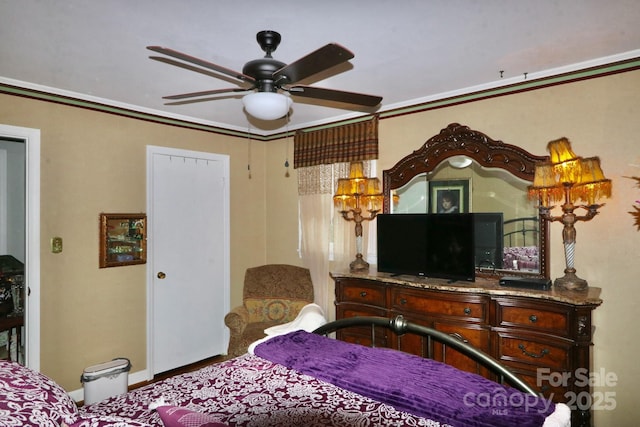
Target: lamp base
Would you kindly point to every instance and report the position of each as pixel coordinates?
(571, 282)
(359, 264)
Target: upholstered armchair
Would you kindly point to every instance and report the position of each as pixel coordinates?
(273, 294)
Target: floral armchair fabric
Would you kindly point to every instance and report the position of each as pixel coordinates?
(273, 294)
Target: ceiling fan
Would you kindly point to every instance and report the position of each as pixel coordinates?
(269, 80)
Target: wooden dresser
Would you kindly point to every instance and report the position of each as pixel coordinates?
(540, 335)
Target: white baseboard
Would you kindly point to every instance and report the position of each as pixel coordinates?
(134, 378)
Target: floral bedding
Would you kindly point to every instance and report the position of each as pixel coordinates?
(252, 391)
(524, 258)
(28, 398)
(297, 379)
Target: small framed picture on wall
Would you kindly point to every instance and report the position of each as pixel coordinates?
(450, 196)
(123, 239)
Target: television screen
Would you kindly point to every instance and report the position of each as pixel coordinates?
(402, 244)
(489, 231)
(450, 247)
(431, 245)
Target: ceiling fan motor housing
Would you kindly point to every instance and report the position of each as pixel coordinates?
(262, 70)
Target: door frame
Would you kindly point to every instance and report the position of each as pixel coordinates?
(151, 151)
(31, 139)
(4, 174)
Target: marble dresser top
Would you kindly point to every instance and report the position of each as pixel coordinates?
(489, 286)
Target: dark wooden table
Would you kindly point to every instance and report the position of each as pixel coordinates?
(9, 323)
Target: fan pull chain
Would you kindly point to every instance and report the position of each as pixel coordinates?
(249, 152)
(286, 157)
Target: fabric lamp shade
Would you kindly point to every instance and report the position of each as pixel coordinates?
(560, 151)
(344, 198)
(564, 160)
(356, 170)
(372, 195)
(545, 187)
(592, 184)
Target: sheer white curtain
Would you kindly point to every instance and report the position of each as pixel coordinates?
(315, 223)
(327, 241)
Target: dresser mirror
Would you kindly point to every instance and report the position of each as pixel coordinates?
(463, 170)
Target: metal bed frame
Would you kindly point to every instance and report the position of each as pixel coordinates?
(400, 326)
(521, 228)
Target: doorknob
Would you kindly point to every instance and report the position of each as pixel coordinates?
(161, 275)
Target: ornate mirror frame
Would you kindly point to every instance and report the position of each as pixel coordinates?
(456, 140)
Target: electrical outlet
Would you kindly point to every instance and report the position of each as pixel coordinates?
(56, 245)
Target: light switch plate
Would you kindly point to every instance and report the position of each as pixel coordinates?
(56, 245)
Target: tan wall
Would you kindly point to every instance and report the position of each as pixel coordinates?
(81, 150)
(94, 162)
(282, 205)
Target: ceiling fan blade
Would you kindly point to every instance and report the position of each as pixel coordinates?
(187, 58)
(204, 93)
(335, 95)
(196, 100)
(193, 68)
(315, 62)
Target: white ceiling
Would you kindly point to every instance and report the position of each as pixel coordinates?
(407, 51)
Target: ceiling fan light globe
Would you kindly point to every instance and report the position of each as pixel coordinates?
(267, 105)
(460, 161)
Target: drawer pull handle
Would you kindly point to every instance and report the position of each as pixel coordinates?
(544, 352)
(363, 294)
(533, 318)
(467, 311)
(403, 301)
(459, 337)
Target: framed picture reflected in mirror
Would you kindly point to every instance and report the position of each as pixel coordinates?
(450, 196)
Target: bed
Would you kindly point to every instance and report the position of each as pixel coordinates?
(299, 378)
(521, 239)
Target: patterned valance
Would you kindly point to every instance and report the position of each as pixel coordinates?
(346, 143)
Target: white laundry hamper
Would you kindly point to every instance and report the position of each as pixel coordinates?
(105, 380)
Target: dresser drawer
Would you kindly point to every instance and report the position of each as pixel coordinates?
(363, 293)
(452, 306)
(366, 339)
(475, 335)
(472, 334)
(542, 317)
(346, 310)
(551, 390)
(534, 351)
(361, 334)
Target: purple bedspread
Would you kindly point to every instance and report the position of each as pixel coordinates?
(409, 383)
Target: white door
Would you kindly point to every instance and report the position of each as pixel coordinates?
(31, 337)
(188, 264)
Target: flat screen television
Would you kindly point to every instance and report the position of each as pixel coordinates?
(402, 244)
(429, 245)
(489, 239)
